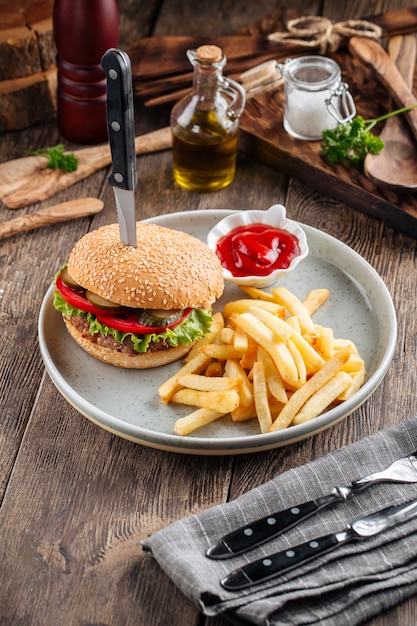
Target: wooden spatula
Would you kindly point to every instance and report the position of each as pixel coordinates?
(27, 180)
(51, 215)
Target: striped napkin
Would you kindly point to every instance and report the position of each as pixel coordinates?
(354, 583)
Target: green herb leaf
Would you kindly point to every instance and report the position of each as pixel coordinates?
(58, 159)
(350, 142)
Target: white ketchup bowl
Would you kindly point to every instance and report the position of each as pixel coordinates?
(275, 216)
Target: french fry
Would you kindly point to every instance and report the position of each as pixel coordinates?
(299, 362)
(226, 335)
(235, 371)
(300, 397)
(186, 425)
(354, 364)
(204, 383)
(358, 379)
(257, 294)
(214, 369)
(222, 401)
(275, 348)
(272, 376)
(270, 361)
(222, 352)
(260, 394)
(325, 341)
(323, 397)
(240, 306)
(311, 357)
(315, 299)
(243, 413)
(171, 386)
(283, 296)
(241, 341)
(279, 327)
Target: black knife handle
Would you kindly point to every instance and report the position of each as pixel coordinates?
(278, 563)
(268, 527)
(120, 118)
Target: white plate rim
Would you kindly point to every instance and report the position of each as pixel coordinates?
(221, 446)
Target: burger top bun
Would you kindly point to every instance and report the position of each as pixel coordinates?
(168, 269)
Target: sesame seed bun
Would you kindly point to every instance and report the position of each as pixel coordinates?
(167, 270)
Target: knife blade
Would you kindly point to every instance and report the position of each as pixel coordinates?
(275, 564)
(121, 130)
(257, 532)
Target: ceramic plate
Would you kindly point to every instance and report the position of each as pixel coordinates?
(126, 402)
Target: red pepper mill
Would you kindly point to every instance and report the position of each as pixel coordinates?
(83, 31)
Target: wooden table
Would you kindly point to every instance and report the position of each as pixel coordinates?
(77, 500)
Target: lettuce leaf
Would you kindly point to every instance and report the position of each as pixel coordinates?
(195, 326)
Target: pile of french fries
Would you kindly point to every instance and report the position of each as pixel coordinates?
(265, 359)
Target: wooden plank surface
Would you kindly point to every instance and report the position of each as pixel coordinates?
(75, 500)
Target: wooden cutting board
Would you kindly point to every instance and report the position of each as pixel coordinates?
(264, 137)
(262, 132)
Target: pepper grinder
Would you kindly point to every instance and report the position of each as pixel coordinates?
(83, 30)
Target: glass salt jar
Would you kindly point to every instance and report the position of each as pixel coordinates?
(315, 97)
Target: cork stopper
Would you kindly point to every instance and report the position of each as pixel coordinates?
(209, 54)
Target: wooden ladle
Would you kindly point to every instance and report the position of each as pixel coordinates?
(396, 165)
(51, 215)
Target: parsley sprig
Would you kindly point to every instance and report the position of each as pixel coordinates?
(350, 142)
(58, 159)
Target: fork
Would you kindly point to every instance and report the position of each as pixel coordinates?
(402, 470)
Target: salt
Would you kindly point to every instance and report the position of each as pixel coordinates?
(315, 97)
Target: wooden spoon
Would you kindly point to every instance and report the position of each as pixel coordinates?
(51, 215)
(396, 165)
(27, 180)
(371, 52)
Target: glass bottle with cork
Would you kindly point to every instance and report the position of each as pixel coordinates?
(205, 124)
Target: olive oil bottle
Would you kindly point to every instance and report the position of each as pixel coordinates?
(205, 125)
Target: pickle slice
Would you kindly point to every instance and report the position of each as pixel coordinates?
(102, 303)
(158, 317)
(68, 279)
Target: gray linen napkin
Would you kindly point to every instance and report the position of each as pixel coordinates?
(355, 582)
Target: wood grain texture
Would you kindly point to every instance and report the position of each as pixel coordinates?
(75, 500)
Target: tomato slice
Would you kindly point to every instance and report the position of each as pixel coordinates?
(130, 323)
(126, 321)
(76, 298)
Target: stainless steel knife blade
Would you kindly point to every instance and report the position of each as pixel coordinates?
(121, 130)
(262, 530)
(275, 564)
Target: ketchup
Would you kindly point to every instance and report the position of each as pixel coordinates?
(257, 250)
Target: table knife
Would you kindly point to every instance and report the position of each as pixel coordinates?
(257, 532)
(121, 129)
(275, 564)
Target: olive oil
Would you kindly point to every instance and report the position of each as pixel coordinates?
(205, 163)
(205, 125)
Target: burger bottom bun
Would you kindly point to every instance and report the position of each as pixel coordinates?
(143, 360)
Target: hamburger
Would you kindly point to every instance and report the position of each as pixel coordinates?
(138, 307)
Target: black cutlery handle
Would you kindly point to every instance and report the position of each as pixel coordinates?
(120, 118)
(276, 564)
(268, 527)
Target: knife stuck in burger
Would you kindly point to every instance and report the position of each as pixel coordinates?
(135, 294)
